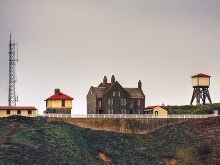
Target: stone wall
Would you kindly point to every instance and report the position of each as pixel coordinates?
(136, 126)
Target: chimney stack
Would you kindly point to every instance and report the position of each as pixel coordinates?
(57, 90)
(105, 80)
(113, 79)
(139, 84)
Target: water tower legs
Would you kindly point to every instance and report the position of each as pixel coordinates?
(200, 93)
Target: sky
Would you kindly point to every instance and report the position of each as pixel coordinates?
(73, 44)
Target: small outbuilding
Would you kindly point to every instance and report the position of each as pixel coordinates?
(6, 111)
(59, 103)
(155, 110)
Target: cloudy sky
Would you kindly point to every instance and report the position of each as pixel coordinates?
(72, 44)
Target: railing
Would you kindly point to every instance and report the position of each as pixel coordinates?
(129, 116)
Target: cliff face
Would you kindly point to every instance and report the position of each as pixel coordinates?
(36, 141)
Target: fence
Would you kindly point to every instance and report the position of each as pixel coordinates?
(190, 116)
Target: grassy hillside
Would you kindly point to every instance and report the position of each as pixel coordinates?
(194, 109)
(35, 141)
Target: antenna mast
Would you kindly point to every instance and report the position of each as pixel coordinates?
(12, 79)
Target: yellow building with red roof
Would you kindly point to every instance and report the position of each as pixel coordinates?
(6, 111)
(59, 103)
(155, 110)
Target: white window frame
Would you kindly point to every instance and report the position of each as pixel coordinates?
(124, 101)
(100, 103)
(121, 101)
(113, 93)
(119, 93)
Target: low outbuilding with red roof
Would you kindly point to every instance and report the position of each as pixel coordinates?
(28, 111)
(155, 110)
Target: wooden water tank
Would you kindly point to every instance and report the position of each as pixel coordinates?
(201, 80)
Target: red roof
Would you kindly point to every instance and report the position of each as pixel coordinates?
(17, 108)
(59, 96)
(151, 107)
(201, 75)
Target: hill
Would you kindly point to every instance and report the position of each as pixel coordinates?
(191, 109)
(36, 141)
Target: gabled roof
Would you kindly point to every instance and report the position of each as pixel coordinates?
(17, 108)
(99, 91)
(59, 96)
(135, 92)
(201, 75)
(107, 85)
(150, 107)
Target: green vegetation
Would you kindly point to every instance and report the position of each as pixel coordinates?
(194, 109)
(36, 141)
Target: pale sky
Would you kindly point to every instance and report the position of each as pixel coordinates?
(72, 44)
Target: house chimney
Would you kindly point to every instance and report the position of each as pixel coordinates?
(105, 80)
(57, 90)
(139, 84)
(113, 79)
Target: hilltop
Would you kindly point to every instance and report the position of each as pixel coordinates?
(191, 109)
(36, 141)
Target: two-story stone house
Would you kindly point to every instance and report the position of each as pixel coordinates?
(59, 103)
(112, 98)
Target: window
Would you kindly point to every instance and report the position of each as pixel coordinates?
(139, 111)
(18, 112)
(124, 111)
(121, 111)
(121, 101)
(109, 101)
(109, 111)
(112, 101)
(8, 112)
(29, 112)
(131, 104)
(112, 111)
(156, 112)
(54, 111)
(113, 93)
(63, 103)
(124, 101)
(100, 103)
(119, 93)
(138, 102)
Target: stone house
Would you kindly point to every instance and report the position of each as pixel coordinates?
(59, 103)
(112, 98)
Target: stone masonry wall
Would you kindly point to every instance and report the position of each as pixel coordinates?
(136, 126)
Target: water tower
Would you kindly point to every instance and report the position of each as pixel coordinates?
(201, 83)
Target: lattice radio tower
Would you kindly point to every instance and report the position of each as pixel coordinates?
(12, 99)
